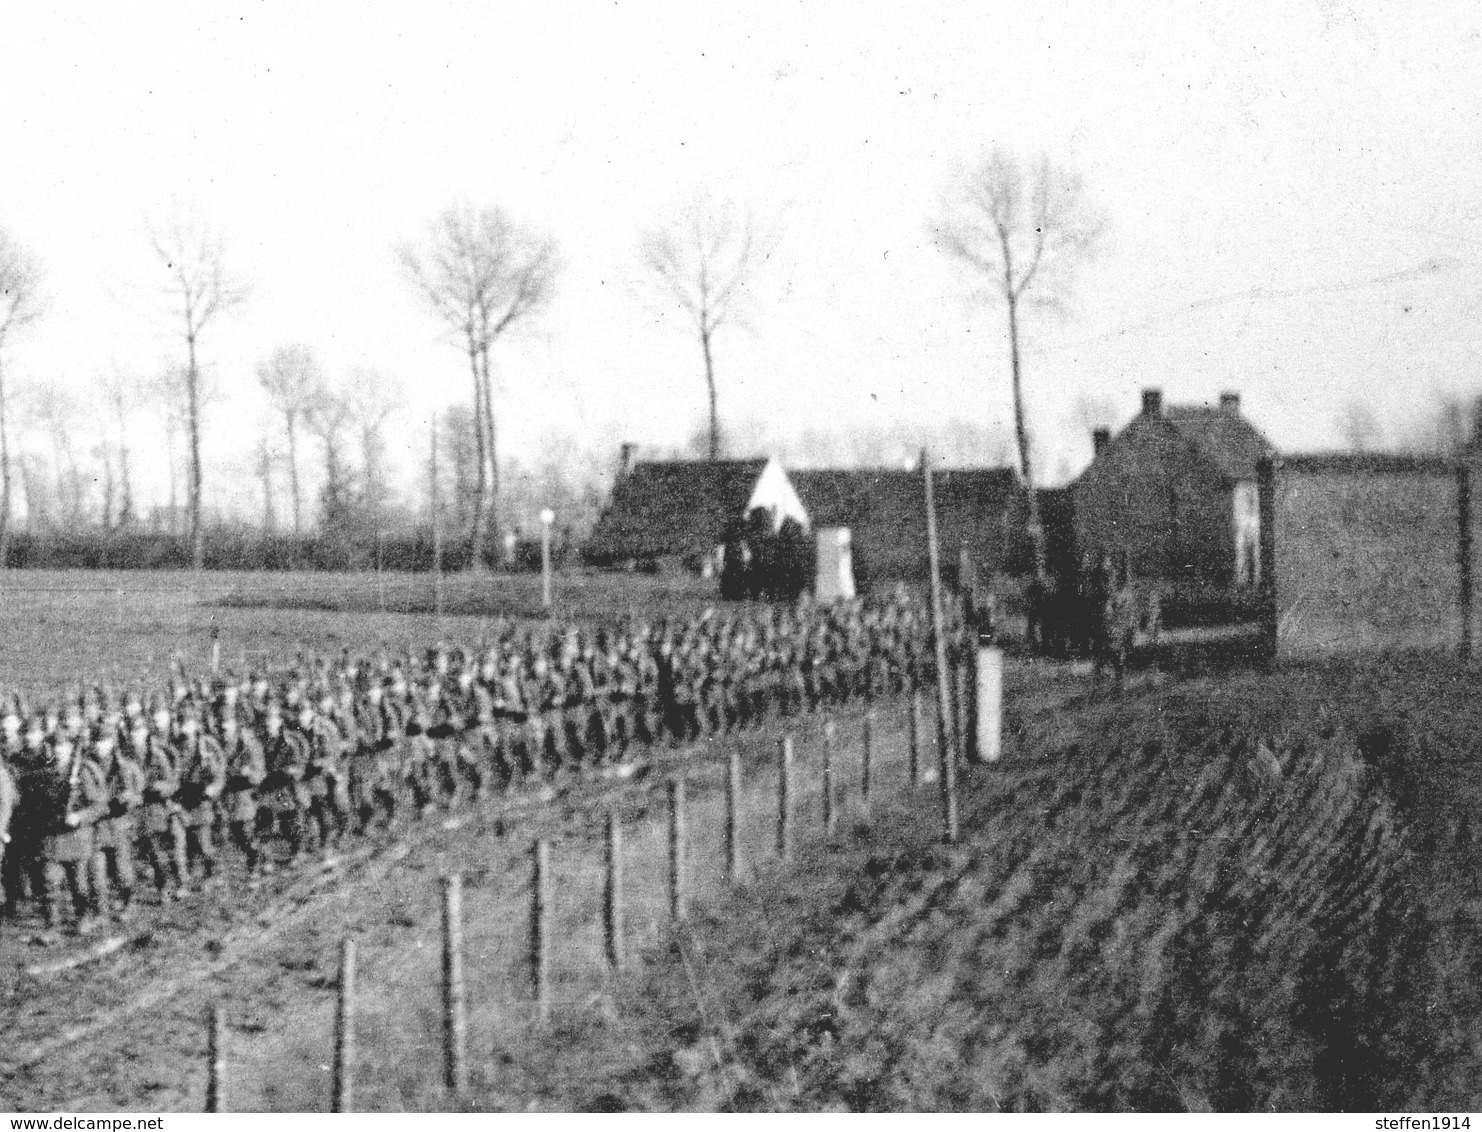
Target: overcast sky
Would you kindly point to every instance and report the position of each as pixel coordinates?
(1293, 190)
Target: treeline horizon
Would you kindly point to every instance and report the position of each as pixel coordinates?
(77, 512)
(238, 546)
(67, 493)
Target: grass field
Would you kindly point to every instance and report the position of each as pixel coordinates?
(1261, 890)
(60, 627)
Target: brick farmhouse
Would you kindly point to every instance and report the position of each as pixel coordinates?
(1175, 491)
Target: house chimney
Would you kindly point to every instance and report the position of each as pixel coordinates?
(1152, 402)
(625, 458)
(1230, 403)
(1100, 438)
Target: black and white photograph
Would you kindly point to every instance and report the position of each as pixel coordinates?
(614, 556)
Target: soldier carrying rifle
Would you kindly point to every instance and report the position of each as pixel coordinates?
(164, 833)
(116, 832)
(70, 800)
(201, 764)
(246, 769)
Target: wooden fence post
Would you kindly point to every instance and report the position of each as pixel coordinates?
(455, 1019)
(913, 738)
(612, 904)
(540, 959)
(965, 721)
(828, 779)
(947, 770)
(733, 817)
(784, 800)
(866, 756)
(341, 1095)
(1464, 553)
(676, 848)
(215, 1055)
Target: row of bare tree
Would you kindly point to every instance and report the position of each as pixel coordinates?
(480, 274)
(1020, 229)
(1023, 230)
(1449, 425)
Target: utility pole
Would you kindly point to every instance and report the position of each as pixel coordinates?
(437, 525)
(947, 761)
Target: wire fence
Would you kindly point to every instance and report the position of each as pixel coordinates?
(753, 823)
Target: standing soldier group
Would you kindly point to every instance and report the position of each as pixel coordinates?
(280, 767)
(1097, 614)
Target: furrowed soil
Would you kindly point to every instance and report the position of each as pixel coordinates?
(1261, 895)
(1254, 892)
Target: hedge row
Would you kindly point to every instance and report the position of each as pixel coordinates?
(245, 549)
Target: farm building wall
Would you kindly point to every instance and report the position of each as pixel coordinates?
(1367, 554)
(981, 510)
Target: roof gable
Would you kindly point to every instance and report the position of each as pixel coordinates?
(674, 507)
(1225, 438)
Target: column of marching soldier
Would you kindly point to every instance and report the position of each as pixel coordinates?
(281, 766)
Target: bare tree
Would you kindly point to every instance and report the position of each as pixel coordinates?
(121, 393)
(703, 263)
(20, 305)
(964, 442)
(103, 453)
(173, 420)
(435, 513)
(329, 419)
(818, 447)
(372, 397)
(481, 274)
(457, 448)
(1023, 233)
(263, 466)
(1093, 411)
(58, 412)
(570, 479)
(293, 382)
(200, 291)
(1445, 428)
(168, 390)
(1358, 427)
(36, 492)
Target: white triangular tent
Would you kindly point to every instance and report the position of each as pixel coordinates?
(774, 492)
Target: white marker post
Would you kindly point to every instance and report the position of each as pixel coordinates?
(547, 517)
(990, 703)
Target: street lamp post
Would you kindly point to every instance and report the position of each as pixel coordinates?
(547, 517)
